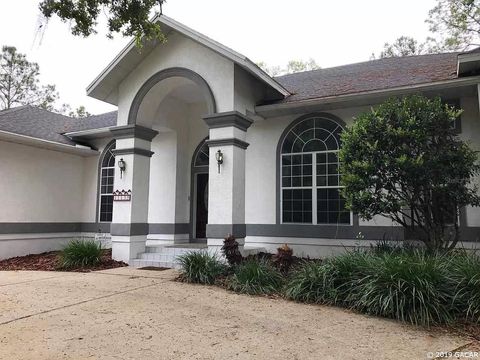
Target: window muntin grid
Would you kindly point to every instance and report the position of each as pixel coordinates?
(202, 156)
(107, 175)
(310, 178)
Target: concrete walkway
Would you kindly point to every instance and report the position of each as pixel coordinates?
(138, 314)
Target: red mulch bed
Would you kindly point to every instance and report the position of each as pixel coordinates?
(49, 261)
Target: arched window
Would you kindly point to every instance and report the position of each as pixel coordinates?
(310, 179)
(107, 174)
(201, 156)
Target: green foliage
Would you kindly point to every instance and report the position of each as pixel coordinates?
(293, 66)
(19, 83)
(80, 253)
(410, 286)
(464, 273)
(403, 160)
(200, 267)
(456, 23)
(311, 282)
(128, 17)
(407, 286)
(403, 46)
(255, 276)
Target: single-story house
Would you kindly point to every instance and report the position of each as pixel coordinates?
(205, 144)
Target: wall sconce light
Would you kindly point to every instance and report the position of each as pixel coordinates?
(219, 157)
(122, 166)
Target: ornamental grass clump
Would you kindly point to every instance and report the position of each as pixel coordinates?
(464, 275)
(200, 267)
(255, 276)
(410, 286)
(311, 282)
(81, 254)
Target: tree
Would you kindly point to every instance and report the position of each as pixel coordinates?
(128, 17)
(457, 23)
(403, 160)
(19, 83)
(402, 46)
(293, 66)
(79, 112)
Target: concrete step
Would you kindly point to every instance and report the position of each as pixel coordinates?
(140, 263)
(166, 255)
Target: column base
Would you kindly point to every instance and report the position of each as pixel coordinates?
(127, 248)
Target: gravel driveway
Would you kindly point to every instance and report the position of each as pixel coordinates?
(138, 314)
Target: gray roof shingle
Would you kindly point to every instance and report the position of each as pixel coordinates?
(379, 74)
(46, 125)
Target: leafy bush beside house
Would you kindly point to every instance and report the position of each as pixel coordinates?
(403, 160)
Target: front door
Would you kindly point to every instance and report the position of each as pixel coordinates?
(201, 212)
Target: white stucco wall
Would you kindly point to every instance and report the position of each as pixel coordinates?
(471, 134)
(40, 185)
(263, 137)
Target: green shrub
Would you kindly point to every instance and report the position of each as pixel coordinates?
(408, 286)
(311, 282)
(464, 273)
(255, 276)
(80, 253)
(200, 267)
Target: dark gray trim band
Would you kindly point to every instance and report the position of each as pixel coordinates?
(129, 229)
(225, 119)
(55, 227)
(133, 131)
(41, 227)
(326, 231)
(169, 229)
(232, 141)
(165, 74)
(135, 151)
(221, 231)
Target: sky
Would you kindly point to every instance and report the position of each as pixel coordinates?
(273, 31)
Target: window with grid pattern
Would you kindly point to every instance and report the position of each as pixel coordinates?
(107, 174)
(310, 178)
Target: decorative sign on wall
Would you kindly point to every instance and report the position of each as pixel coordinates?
(123, 195)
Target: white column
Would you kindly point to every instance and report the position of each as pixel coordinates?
(129, 228)
(226, 185)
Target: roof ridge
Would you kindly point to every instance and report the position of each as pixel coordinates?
(391, 58)
(16, 108)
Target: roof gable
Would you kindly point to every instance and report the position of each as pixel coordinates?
(104, 86)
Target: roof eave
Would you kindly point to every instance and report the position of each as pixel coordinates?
(46, 144)
(89, 134)
(268, 110)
